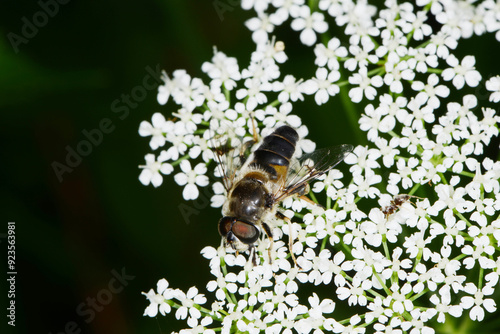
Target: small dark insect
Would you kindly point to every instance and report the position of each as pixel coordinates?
(395, 204)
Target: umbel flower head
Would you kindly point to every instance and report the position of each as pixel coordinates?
(408, 239)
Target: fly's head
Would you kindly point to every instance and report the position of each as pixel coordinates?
(241, 235)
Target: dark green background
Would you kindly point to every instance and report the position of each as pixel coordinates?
(70, 235)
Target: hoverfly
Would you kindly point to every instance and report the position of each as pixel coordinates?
(263, 179)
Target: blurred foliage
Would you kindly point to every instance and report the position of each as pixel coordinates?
(72, 235)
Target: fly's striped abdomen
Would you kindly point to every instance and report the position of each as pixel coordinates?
(275, 152)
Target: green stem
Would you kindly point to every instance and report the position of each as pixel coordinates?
(352, 114)
(178, 161)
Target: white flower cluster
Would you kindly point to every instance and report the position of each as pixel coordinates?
(210, 106)
(398, 263)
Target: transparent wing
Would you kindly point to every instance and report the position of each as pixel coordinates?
(311, 166)
(230, 153)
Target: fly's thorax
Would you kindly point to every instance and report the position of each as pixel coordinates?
(248, 198)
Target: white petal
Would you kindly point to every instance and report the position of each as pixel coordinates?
(166, 169)
(185, 166)
(200, 169)
(181, 179)
(157, 179)
(165, 308)
(158, 120)
(202, 180)
(145, 176)
(190, 192)
(151, 310)
(161, 285)
(145, 129)
(308, 37)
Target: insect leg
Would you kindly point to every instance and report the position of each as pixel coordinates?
(243, 151)
(290, 237)
(253, 254)
(254, 130)
(310, 201)
(267, 229)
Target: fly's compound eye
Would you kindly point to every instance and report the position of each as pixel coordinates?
(246, 232)
(225, 225)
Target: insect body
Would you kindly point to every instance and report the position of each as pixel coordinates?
(265, 180)
(252, 197)
(395, 203)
